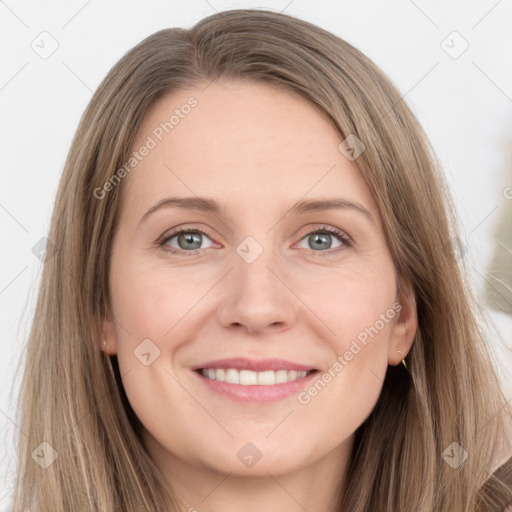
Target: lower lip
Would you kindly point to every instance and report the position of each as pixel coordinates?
(270, 393)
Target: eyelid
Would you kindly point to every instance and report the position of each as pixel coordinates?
(329, 229)
(346, 240)
(170, 233)
(178, 230)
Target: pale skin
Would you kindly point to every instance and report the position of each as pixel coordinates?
(256, 150)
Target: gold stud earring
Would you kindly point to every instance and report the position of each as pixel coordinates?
(403, 360)
(104, 342)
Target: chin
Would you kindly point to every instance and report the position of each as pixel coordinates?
(255, 458)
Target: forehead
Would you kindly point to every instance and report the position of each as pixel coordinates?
(245, 141)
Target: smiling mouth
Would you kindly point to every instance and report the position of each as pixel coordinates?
(252, 378)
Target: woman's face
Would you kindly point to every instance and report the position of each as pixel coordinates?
(249, 282)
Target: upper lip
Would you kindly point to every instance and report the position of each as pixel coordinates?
(242, 363)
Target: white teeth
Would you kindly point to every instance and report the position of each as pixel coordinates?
(232, 376)
(250, 378)
(266, 378)
(281, 376)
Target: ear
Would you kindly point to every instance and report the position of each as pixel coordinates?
(404, 326)
(109, 336)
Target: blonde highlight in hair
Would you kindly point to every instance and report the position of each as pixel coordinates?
(72, 395)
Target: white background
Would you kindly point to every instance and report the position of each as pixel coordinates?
(464, 103)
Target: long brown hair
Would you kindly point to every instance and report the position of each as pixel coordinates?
(72, 397)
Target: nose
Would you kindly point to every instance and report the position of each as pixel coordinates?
(255, 296)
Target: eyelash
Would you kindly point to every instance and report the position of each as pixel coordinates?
(340, 235)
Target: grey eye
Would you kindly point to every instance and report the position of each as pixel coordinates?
(320, 241)
(187, 240)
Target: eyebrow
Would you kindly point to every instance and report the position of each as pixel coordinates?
(212, 206)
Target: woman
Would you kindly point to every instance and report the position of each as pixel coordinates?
(314, 348)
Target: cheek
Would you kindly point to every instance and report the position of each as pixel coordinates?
(358, 305)
(339, 405)
(349, 300)
(149, 303)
